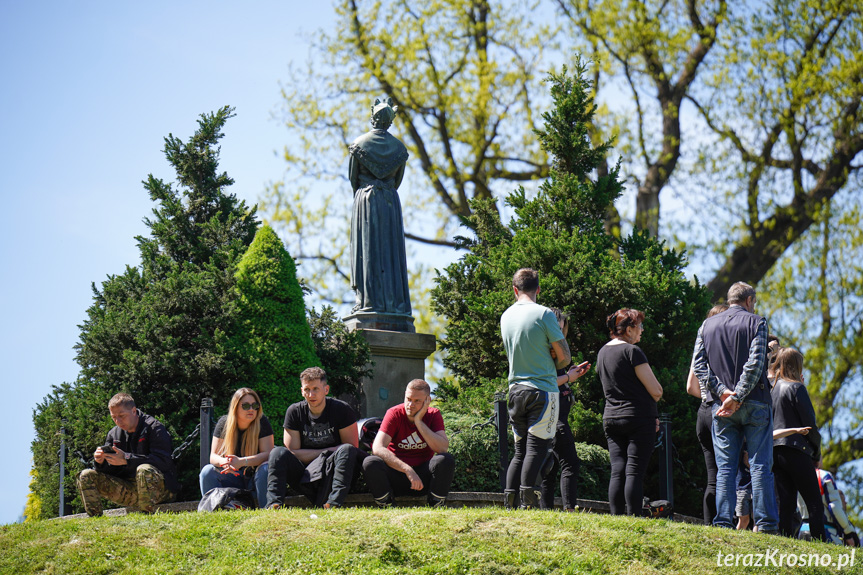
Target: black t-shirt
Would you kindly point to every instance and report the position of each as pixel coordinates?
(266, 431)
(322, 431)
(625, 395)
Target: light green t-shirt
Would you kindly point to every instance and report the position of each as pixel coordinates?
(528, 329)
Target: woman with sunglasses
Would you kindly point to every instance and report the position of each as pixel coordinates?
(242, 441)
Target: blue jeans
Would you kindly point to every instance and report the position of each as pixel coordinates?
(754, 423)
(211, 478)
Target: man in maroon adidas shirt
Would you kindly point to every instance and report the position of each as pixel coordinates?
(410, 451)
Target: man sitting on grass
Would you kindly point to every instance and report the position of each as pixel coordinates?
(410, 451)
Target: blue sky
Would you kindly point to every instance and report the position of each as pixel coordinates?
(88, 91)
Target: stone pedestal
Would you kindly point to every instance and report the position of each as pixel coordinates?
(398, 357)
(374, 320)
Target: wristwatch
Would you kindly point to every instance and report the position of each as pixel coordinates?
(127, 455)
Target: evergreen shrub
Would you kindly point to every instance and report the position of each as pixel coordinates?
(273, 332)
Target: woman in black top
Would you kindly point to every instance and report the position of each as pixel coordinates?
(795, 455)
(630, 417)
(564, 456)
(242, 441)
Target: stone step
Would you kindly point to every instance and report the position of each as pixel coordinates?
(455, 499)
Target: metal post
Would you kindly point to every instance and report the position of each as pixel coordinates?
(206, 437)
(502, 421)
(666, 477)
(62, 465)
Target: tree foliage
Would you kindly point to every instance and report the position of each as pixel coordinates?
(273, 332)
(770, 93)
(344, 354)
(161, 331)
(823, 280)
(583, 271)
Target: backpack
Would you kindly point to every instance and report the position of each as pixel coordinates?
(227, 498)
(368, 429)
(659, 509)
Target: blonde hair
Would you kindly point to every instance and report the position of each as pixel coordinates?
(789, 364)
(250, 438)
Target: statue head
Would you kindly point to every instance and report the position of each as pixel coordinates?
(383, 114)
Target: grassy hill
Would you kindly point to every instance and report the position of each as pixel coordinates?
(471, 540)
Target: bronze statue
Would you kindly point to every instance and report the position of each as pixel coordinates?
(378, 262)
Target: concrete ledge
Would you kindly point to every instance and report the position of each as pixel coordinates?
(455, 499)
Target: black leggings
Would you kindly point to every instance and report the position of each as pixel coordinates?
(704, 432)
(565, 459)
(794, 471)
(630, 444)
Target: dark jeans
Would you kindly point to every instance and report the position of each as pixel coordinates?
(385, 482)
(566, 460)
(704, 432)
(285, 471)
(794, 471)
(630, 444)
(533, 414)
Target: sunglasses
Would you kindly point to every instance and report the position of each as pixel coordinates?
(256, 406)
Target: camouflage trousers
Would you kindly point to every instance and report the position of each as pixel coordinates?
(141, 494)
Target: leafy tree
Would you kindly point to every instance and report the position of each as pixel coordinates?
(771, 93)
(160, 331)
(33, 508)
(583, 271)
(273, 332)
(823, 280)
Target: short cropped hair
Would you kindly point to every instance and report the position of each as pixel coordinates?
(123, 400)
(619, 321)
(740, 292)
(420, 385)
(312, 373)
(526, 280)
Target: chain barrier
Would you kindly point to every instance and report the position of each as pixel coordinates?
(186, 443)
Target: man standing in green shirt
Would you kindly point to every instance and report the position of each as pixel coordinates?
(530, 332)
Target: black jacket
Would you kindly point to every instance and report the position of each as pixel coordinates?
(793, 408)
(150, 443)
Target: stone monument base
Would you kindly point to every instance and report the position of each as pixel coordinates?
(403, 322)
(398, 358)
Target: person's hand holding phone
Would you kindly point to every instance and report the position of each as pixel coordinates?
(115, 456)
(577, 371)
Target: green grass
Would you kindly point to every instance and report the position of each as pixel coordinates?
(471, 540)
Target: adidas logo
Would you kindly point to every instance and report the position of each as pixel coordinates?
(413, 441)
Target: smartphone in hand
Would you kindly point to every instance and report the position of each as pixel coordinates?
(108, 449)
